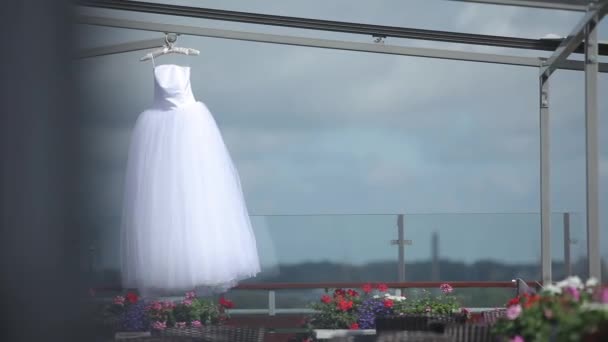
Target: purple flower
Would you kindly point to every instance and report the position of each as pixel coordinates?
(190, 295)
(134, 319)
(369, 310)
(517, 339)
(513, 311)
(196, 324)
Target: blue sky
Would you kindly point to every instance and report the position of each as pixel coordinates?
(316, 131)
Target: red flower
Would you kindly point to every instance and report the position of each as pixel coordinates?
(132, 297)
(228, 304)
(345, 305)
(339, 293)
(352, 293)
(354, 326)
(326, 299)
(367, 288)
(513, 301)
(388, 303)
(382, 287)
(530, 300)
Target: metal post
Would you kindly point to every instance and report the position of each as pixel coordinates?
(591, 121)
(401, 238)
(567, 241)
(272, 306)
(545, 177)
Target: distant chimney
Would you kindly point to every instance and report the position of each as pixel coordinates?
(435, 257)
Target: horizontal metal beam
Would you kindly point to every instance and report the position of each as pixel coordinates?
(566, 5)
(574, 39)
(333, 26)
(120, 48)
(313, 42)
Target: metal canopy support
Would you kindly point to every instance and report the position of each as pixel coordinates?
(120, 48)
(591, 121)
(574, 39)
(309, 42)
(545, 181)
(330, 25)
(567, 5)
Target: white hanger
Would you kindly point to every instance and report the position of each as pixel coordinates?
(169, 47)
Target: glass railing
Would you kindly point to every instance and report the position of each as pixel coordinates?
(366, 248)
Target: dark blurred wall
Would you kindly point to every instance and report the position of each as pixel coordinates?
(41, 289)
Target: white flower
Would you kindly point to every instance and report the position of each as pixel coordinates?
(376, 296)
(591, 282)
(572, 281)
(552, 289)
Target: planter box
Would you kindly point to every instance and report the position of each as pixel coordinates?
(418, 322)
(326, 334)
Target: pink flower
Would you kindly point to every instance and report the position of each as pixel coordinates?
(513, 311)
(187, 302)
(196, 324)
(604, 295)
(156, 306)
(181, 324)
(159, 325)
(446, 288)
(119, 300)
(367, 288)
(517, 339)
(574, 292)
(190, 295)
(428, 309)
(168, 305)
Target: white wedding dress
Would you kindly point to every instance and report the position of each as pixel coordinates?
(185, 224)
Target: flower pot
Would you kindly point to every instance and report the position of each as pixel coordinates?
(326, 334)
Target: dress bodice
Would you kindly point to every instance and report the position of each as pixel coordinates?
(172, 86)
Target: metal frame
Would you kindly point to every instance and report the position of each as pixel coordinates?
(545, 180)
(307, 42)
(591, 146)
(583, 38)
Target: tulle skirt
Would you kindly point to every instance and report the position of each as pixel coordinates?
(185, 224)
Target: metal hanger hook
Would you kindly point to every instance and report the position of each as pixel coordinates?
(170, 39)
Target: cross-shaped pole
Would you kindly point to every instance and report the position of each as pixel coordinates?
(401, 243)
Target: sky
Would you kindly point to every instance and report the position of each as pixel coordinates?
(331, 145)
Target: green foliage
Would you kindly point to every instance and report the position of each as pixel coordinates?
(425, 302)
